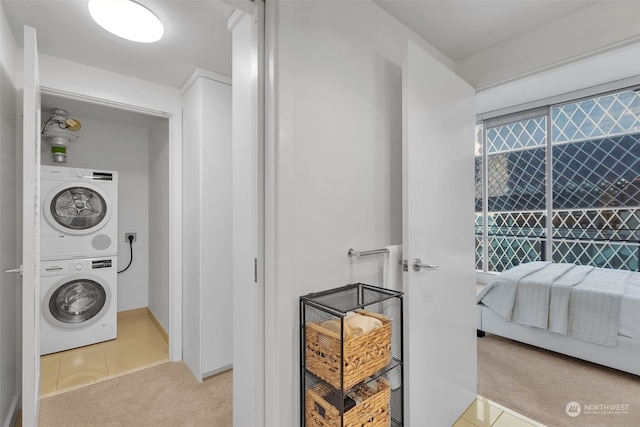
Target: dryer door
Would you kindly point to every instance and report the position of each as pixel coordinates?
(76, 302)
(77, 208)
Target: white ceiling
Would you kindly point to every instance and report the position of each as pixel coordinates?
(195, 35)
(489, 40)
(462, 28)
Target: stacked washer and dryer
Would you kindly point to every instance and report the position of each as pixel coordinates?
(78, 246)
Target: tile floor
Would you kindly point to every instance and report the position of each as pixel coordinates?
(139, 344)
(486, 413)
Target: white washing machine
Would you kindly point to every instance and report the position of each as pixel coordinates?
(79, 299)
(80, 213)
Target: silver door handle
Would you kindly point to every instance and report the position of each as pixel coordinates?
(13, 270)
(418, 265)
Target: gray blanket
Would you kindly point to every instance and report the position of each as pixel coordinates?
(579, 301)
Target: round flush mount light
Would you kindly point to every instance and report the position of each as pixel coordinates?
(127, 19)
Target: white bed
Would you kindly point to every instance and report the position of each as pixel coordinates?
(588, 313)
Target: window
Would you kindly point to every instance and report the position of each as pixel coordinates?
(577, 163)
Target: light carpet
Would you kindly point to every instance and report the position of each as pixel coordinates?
(162, 395)
(540, 384)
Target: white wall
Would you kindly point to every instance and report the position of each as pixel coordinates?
(9, 283)
(335, 176)
(159, 205)
(123, 148)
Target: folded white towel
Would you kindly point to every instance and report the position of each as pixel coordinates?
(391, 269)
(361, 324)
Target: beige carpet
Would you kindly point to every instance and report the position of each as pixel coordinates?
(163, 395)
(540, 384)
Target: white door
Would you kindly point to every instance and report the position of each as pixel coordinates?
(440, 332)
(31, 233)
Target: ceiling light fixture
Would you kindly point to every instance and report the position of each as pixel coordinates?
(127, 19)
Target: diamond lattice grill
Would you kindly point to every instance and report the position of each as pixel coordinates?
(520, 224)
(478, 175)
(600, 173)
(596, 185)
(478, 223)
(516, 180)
(608, 115)
(517, 136)
(478, 231)
(599, 254)
(506, 252)
(609, 224)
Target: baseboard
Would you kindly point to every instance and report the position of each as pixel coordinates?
(161, 330)
(217, 371)
(146, 311)
(132, 313)
(14, 413)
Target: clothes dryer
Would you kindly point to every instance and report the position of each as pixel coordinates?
(80, 213)
(79, 299)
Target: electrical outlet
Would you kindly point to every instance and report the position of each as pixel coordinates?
(126, 236)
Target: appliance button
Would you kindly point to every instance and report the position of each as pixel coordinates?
(78, 266)
(79, 174)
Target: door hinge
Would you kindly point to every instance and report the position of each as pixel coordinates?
(255, 270)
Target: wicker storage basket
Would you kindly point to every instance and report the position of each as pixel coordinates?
(371, 411)
(363, 355)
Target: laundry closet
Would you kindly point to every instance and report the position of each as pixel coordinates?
(116, 170)
(135, 146)
(174, 193)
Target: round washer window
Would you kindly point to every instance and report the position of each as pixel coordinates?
(78, 208)
(77, 301)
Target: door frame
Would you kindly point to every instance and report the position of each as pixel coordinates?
(175, 195)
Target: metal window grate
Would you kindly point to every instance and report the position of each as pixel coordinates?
(608, 115)
(600, 173)
(517, 224)
(517, 136)
(598, 254)
(516, 181)
(594, 163)
(507, 252)
(602, 224)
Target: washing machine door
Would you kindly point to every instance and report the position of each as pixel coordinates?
(77, 208)
(77, 301)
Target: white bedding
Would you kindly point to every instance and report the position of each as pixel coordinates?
(630, 310)
(579, 301)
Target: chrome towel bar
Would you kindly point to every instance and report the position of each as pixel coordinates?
(359, 254)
